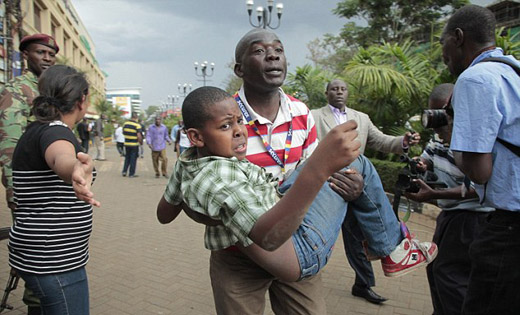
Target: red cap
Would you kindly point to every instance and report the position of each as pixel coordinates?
(42, 39)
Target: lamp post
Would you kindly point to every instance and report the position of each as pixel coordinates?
(204, 70)
(264, 15)
(184, 89)
(173, 99)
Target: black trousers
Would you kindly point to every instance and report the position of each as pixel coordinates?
(494, 283)
(448, 274)
(352, 241)
(84, 144)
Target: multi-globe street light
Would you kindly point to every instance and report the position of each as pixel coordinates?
(264, 15)
(184, 89)
(204, 70)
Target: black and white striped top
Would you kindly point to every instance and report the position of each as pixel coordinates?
(52, 227)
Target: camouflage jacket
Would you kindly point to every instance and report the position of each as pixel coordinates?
(15, 113)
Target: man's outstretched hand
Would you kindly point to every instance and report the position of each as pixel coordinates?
(82, 179)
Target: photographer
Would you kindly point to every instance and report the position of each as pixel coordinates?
(485, 134)
(461, 215)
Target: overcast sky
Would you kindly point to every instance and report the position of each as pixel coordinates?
(153, 44)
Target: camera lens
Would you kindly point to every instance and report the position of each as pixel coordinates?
(434, 118)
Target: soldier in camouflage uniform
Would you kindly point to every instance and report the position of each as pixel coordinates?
(39, 51)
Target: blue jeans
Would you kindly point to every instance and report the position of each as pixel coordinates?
(314, 239)
(64, 293)
(130, 159)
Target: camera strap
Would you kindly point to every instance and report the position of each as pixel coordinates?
(515, 149)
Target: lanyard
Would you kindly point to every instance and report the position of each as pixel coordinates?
(267, 146)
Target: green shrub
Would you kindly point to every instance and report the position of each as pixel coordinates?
(108, 129)
(388, 172)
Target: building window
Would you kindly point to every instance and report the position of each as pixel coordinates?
(75, 55)
(66, 40)
(37, 18)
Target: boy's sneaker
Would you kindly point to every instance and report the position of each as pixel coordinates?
(408, 256)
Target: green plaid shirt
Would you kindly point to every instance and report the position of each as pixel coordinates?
(235, 192)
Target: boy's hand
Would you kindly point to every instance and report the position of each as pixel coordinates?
(338, 149)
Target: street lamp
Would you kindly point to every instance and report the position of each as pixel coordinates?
(204, 70)
(263, 15)
(173, 100)
(184, 89)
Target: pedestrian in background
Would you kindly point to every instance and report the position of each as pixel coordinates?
(133, 138)
(84, 134)
(156, 138)
(143, 135)
(99, 137)
(182, 142)
(120, 140)
(48, 246)
(173, 134)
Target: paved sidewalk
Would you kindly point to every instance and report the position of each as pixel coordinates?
(139, 266)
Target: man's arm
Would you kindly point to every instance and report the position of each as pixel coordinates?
(148, 137)
(13, 119)
(381, 142)
(477, 166)
(166, 136)
(426, 193)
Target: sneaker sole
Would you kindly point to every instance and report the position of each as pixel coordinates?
(408, 270)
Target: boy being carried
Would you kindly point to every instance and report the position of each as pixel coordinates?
(214, 179)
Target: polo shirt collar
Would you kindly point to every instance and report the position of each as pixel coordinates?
(284, 112)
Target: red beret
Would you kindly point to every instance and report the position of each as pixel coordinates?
(42, 39)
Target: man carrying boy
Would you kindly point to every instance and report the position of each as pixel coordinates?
(280, 126)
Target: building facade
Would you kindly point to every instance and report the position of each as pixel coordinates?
(59, 19)
(128, 100)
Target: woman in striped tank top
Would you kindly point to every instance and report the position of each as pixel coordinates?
(48, 243)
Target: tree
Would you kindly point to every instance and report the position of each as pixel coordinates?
(391, 20)
(233, 83)
(509, 43)
(391, 83)
(308, 85)
(150, 111)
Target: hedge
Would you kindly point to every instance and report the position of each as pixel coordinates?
(388, 172)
